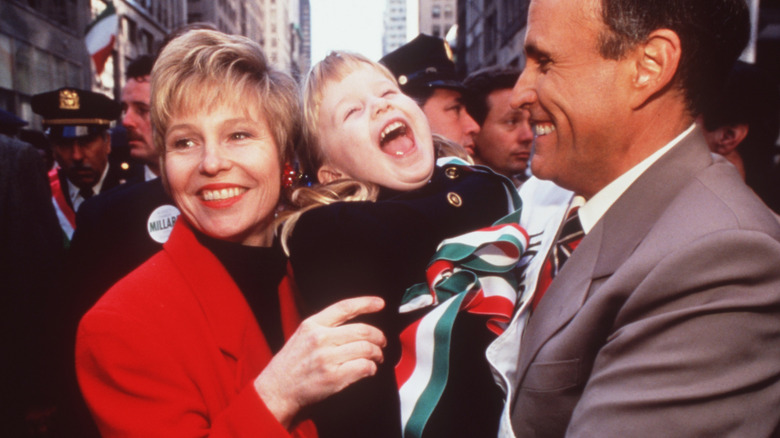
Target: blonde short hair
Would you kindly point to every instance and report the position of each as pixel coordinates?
(336, 66)
(203, 68)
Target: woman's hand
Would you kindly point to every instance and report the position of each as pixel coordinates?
(321, 358)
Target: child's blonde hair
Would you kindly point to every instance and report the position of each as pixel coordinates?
(335, 67)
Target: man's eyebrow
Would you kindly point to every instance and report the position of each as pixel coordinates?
(532, 50)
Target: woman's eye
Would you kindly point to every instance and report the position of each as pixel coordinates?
(388, 93)
(240, 136)
(183, 143)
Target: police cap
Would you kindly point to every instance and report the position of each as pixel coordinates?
(424, 62)
(72, 113)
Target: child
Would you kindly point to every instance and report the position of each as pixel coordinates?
(368, 143)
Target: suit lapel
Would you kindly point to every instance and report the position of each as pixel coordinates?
(612, 240)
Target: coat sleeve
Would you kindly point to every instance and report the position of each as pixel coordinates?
(695, 350)
(135, 387)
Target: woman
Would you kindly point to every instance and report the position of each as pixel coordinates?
(367, 142)
(175, 348)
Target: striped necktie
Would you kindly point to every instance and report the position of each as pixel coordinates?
(569, 238)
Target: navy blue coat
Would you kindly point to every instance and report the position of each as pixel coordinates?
(381, 248)
(112, 238)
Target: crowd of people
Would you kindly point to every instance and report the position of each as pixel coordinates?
(628, 173)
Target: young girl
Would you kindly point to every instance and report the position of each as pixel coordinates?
(368, 143)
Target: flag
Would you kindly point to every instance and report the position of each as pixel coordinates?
(101, 35)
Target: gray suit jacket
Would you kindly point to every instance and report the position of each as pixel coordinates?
(665, 322)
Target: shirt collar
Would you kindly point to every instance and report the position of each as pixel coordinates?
(592, 211)
(148, 174)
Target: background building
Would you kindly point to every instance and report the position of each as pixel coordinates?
(437, 16)
(277, 44)
(42, 44)
(143, 24)
(490, 32)
(230, 16)
(41, 49)
(394, 33)
(304, 25)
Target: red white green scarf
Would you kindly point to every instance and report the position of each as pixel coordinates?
(475, 273)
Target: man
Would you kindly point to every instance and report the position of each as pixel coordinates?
(135, 115)
(120, 229)
(425, 72)
(665, 320)
(76, 123)
(504, 139)
(743, 125)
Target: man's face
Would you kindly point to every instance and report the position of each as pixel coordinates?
(576, 98)
(448, 117)
(504, 142)
(83, 159)
(135, 117)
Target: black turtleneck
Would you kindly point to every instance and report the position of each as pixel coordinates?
(257, 271)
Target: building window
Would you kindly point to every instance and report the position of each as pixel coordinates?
(62, 12)
(147, 41)
(436, 30)
(514, 16)
(130, 30)
(448, 11)
(436, 11)
(490, 33)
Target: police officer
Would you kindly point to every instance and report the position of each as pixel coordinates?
(77, 122)
(425, 72)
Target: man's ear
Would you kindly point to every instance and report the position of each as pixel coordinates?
(327, 174)
(657, 60)
(725, 139)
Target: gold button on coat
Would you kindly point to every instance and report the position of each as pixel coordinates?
(454, 199)
(452, 172)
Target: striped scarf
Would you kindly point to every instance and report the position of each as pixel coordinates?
(474, 273)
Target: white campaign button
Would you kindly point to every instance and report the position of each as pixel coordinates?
(161, 222)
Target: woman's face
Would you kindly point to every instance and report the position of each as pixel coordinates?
(223, 170)
(370, 131)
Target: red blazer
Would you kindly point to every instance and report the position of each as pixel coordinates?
(172, 350)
